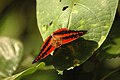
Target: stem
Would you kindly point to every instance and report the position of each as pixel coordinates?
(103, 78)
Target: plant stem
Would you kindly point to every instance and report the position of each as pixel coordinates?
(103, 78)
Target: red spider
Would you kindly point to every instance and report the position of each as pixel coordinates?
(56, 39)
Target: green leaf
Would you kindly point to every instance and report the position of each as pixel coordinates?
(96, 16)
(114, 48)
(10, 55)
(26, 72)
(42, 75)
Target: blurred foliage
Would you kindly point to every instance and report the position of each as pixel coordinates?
(20, 39)
(10, 56)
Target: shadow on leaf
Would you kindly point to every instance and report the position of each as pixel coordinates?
(73, 54)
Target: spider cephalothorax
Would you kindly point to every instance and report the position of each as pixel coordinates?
(56, 41)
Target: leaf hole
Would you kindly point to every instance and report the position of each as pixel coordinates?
(50, 23)
(64, 8)
(60, 0)
(74, 4)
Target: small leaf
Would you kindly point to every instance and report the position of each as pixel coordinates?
(114, 48)
(26, 72)
(10, 55)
